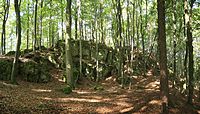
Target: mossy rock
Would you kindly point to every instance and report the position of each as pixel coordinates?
(126, 80)
(75, 52)
(29, 72)
(106, 71)
(67, 89)
(35, 72)
(5, 69)
(10, 53)
(43, 48)
(26, 51)
(98, 87)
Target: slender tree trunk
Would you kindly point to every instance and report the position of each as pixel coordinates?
(18, 35)
(164, 89)
(101, 22)
(142, 36)
(49, 43)
(68, 57)
(186, 48)
(50, 27)
(27, 30)
(41, 31)
(80, 50)
(128, 24)
(188, 15)
(137, 26)
(76, 23)
(174, 39)
(52, 34)
(141, 27)
(97, 48)
(6, 7)
(3, 35)
(85, 31)
(133, 34)
(119, 35)
(62, 12)
(35, 26)
(80, 36)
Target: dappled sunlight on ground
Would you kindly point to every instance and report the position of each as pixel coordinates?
(104, 110)
(78, 99)
(154, 85)
(158, 102)
(142, 98)
(83, 92)
(41, 90)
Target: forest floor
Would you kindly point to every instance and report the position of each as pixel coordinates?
(142, 97)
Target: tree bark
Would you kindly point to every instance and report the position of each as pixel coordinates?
(80, 36)
(174, 39)
(18, 35)
(137, 26)
(6, 7)
(41, 31)
(133, 34)
(119, 36)
(62, 22)
(164, 89)
(68, 56)
(35, 26)
(27, 30)
(101, 22)
(188, 15)
(76, 23)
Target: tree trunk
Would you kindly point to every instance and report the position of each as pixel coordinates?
(137, 26)
(101, 23)
(164, 89)
(76, 23)
(174, 39)
(141, 28)
(62, 11)
(27, 30)
(35, 26)
(40, 41)
(80, 36)
(68, 56)
(6, 7)
(80, 51)
(119, 36)
(97, 48)
(18, 35)
(188, 15)
(50, 27)
(133, 34)
(52, 34)
(186, 47)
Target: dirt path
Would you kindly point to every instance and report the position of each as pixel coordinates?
(141, 98)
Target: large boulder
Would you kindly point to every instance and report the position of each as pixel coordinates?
(33, 71)
(6, 67)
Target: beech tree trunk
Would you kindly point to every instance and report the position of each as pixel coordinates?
(119, 36)
(35, 26)
(41, 31)
(188, 15)
(174, 39)
(62, 12)
(18, 35)
(164, 89)
(68, 57)
(27, 30)
(6, 7)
